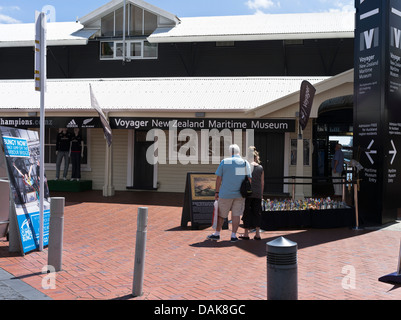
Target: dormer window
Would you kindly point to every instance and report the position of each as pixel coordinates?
(139, 22)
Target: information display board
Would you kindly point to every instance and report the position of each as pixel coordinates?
(21, 151)
(198, 200)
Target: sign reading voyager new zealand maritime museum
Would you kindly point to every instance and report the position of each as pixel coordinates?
(272, 125)
(377, 113)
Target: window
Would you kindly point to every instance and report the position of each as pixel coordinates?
(139, 22)
(149, 50)
(119, 22)
(135, 21)
(135, 49)
(306, 145)
(108, 25)
(150, 23)
(107, 50)
(50, 145)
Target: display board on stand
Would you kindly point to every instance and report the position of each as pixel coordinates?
(21, 155)
(198, 200)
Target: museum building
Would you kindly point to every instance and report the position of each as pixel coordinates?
(154, 73)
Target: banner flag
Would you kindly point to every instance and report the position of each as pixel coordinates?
(40, 51)
(103, 118)
(306, 100)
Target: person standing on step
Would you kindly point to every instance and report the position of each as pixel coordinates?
(62, 152)
(76, 153)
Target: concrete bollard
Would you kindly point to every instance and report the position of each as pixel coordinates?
(140, 247)
(56, 229)
(282, 270)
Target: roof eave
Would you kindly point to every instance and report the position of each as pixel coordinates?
(250, 37)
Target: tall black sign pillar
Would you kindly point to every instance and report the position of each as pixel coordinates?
(377, 108)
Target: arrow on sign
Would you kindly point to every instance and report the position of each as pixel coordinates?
(393, 152)
(369, 152)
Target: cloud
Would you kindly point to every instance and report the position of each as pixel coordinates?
(343, 6)
(260, 4)
(6, 18)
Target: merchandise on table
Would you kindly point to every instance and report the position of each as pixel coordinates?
(305, 204)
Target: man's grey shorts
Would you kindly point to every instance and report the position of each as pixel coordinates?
(236, 206)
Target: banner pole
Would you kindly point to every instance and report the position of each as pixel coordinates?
(43, 76)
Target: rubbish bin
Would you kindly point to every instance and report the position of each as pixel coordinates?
(282, 269)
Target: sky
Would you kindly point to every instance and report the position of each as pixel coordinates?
(23, 11)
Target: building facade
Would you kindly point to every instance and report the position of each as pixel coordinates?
(184, 80)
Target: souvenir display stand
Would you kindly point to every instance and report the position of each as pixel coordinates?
(307, 213)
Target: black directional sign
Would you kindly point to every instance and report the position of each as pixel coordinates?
(377, 102)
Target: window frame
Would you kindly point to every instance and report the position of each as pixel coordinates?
(128, 50)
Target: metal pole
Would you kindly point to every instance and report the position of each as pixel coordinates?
(293, 188)
(356, 205)
(55, 251)
(140, 246)
(124, 28)
(399, 262)
(343, 197)
(43, 75)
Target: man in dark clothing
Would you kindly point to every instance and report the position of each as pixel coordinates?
(77, 152)
(62, 152)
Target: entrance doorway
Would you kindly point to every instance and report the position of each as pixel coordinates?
(333, 125)
(271, 150)
(143, 171)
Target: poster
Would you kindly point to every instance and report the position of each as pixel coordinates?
(199, 200)
(21, 150)
(203, 186)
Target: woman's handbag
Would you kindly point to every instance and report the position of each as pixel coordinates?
(246, 188)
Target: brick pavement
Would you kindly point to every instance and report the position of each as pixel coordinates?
(99, 250)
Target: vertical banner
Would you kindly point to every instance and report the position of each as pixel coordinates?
(305, 103)
(377, 116)
(103, 119)
(22, 154)
(40, 51)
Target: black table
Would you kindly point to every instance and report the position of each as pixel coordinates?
(320, 219)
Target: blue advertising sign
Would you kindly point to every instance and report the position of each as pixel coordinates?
(21, 150)
(16, 147)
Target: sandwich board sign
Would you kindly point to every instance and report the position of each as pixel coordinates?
(20, 149)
